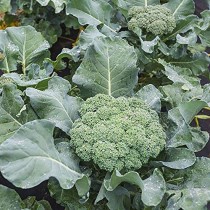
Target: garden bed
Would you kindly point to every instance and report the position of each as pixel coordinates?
(104, 105)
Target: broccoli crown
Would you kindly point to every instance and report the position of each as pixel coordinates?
(156, 19)
(117, 133)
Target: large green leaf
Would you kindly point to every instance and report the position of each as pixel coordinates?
(109, 67)
(181, 7)
(29, 157)
(93, 13)
(9, 199)
(9, 52)
(25, 44)
(55, 104)
(194, 193)
(11, 104)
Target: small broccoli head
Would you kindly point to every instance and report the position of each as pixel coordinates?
(117, 133)
(156, 19)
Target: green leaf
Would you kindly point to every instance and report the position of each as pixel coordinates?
(181, 7)
(179, 158)
(71, 54)
(189, 198)
(68, 198)
(5, 6)
(57, 4)
(183, 25)
(204, 36)
(190, 109)
(198, 63)
(151, 95)
(31, 203)
(9, 199)
(180, 75)
(190, 39)
(118, 199)
(126, 4)
(180, 133)
(194, 193)
(25, 81)
(55, 104)
(109, 67)
(25, 42)
(9, 53)
(29, 157)
(206, 94)
(154, 189)
(88, 36)
(116, 179)
(148, 46)
(204, 29)
(11, 104)
(197, 176)
(177, 93)
(92, 13)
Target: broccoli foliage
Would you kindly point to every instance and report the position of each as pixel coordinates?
(5, 81)
(156, 19)
(117, 133)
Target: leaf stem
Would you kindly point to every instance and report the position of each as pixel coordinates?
(146, 3)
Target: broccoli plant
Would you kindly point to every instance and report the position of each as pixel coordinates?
(156, 19)
(121, 133)
(122, 129)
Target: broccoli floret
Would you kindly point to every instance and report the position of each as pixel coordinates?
(117, 133)
(156, 19)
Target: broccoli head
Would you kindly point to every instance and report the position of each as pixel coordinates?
(117, 133)
(156, 19)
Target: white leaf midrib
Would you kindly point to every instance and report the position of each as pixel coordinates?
(145, 2)
(178, 8)
(109, 74)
